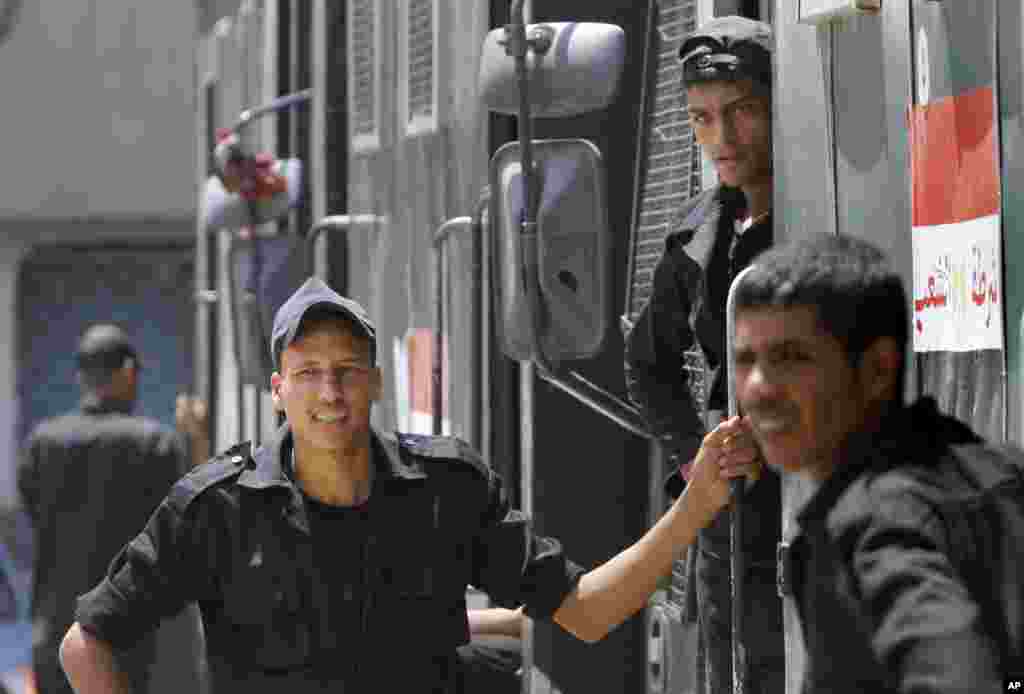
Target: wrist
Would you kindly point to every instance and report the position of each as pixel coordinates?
(692, 512)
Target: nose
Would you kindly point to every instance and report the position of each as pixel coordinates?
(331, 387)
(727, 129)
(755, 383)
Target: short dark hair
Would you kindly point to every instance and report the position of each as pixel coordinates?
(319, 315)
(850, 282)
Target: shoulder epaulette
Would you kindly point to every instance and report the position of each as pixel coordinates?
(443, 448)
(219, 468)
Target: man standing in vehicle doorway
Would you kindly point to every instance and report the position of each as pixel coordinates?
(727, 76)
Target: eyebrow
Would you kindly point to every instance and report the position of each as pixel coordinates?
(792, 343)
(354, 361)
(726, 106)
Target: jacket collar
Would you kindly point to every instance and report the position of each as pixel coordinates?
(271, 462)
(703, 221)
(915, 433)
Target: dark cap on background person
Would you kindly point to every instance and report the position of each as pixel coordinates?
(728, 48)
(315, 293)
(106, 346)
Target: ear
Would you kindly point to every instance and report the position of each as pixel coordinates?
(275, 391)
(376, 385)
(880, 369)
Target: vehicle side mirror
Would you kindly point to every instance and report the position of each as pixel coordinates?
(573, 250)
(577, 72)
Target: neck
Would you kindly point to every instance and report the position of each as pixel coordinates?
(864, 437)
(759, 199)
(339, 477)
(107, 400)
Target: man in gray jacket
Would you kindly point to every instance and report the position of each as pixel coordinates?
(727, 76)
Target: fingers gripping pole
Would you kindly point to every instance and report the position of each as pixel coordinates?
(737, 560)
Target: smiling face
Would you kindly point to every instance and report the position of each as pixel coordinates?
(732, 121)
(803, 395)
(326, 386)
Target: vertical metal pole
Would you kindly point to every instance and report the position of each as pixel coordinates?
(517, 46)
(438, 370)
(737, 560)
(440, 236)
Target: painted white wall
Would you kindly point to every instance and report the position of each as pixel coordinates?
(99, 110)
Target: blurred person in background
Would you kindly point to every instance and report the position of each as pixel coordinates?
(89, 480)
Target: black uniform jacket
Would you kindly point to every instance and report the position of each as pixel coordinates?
(882, 607)
(89, 481)
(688, 302)
(234, 536)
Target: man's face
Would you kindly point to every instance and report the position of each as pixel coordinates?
(326, 386)
(734, 126)
(796, 384)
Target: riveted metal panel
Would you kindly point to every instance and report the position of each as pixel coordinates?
(871, 93)
(1010, 23)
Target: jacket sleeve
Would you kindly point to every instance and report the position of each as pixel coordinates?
(926, 629)
(517, 567)
(655, 378)
(154, 576)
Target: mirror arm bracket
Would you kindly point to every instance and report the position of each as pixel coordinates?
(600, 400)
(516, 45)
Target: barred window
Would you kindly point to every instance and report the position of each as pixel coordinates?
(418, 83)
(364, 73)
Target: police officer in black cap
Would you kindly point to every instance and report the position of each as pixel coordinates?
(726, 70)
(89, 481)
(335, 559)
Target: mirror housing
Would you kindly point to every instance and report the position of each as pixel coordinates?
(224, 209)
(573, 250)
(579, 72)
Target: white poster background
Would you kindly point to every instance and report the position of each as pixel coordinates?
(958, 293)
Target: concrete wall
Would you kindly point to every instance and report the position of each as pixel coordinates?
(98, 110)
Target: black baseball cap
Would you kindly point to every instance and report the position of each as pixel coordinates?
(728, 48)
(315, 293)
(105, 345)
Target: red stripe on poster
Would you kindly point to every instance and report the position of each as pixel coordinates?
(953, 160)
(421, 372)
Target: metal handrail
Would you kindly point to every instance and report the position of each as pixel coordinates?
(336, 222)
(440, 236)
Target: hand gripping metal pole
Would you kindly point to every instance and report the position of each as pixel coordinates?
(737, 560)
